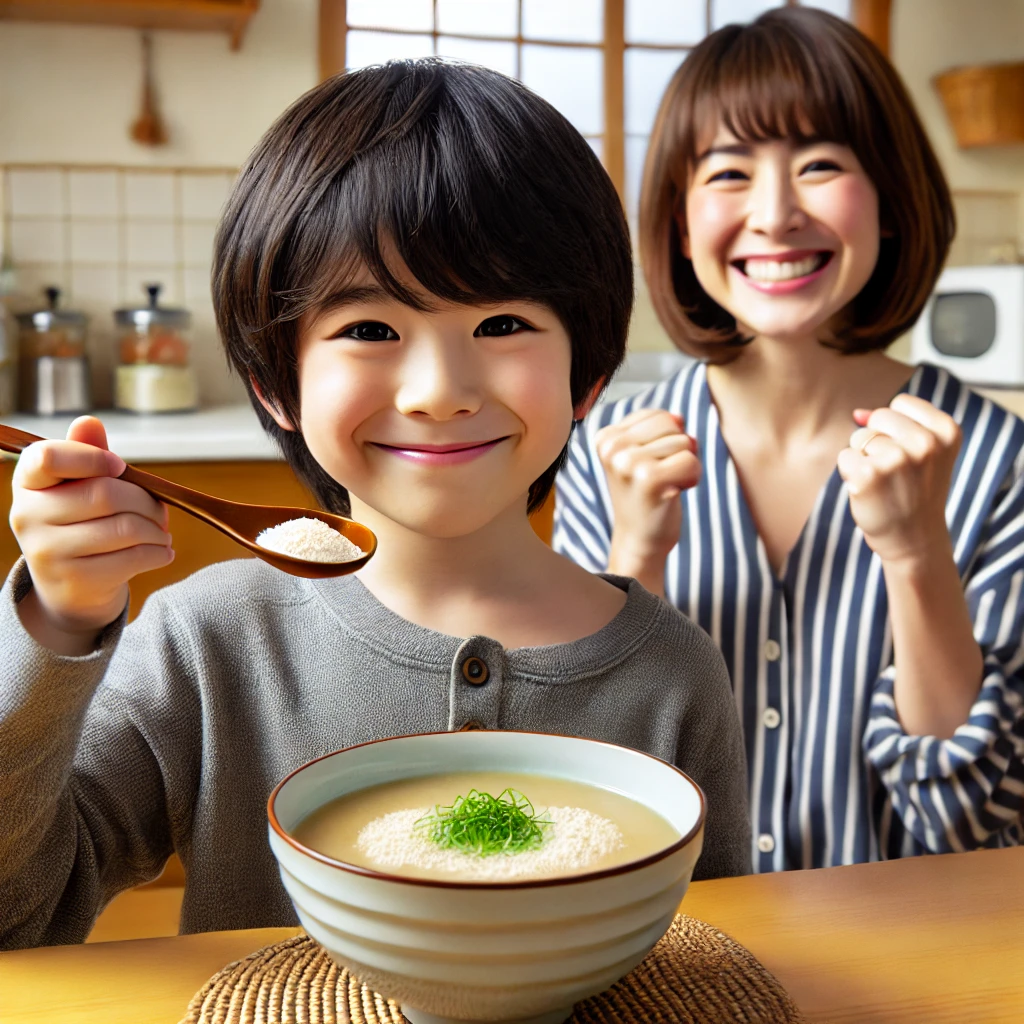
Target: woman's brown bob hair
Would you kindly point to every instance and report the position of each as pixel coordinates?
(463, 177)
(802, 74)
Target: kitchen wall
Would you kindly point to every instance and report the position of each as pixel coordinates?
(68, 94)
(929, 37)
(78, 219)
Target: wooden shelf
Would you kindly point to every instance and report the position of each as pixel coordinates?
(230, 16)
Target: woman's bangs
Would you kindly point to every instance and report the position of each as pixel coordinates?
(761, 95)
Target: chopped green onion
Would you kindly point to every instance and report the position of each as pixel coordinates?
(481, 825)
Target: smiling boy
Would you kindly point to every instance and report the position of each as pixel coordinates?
(424, 277)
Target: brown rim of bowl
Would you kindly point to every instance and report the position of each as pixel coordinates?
(538, 883)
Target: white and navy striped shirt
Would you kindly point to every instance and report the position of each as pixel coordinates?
(834, 779)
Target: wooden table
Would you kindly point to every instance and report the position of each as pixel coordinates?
(931, 939)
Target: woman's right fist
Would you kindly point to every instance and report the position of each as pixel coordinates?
(83, 533)
(649, 460)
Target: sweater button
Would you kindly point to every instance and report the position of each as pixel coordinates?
(475, 671)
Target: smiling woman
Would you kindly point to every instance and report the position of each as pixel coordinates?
(849, 530)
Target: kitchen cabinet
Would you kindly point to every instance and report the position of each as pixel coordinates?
(230, 16)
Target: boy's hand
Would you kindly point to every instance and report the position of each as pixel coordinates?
(84, 534)
(649, 461)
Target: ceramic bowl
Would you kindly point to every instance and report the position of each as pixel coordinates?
(488, 951)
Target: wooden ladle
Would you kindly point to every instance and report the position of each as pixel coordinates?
(241, 522)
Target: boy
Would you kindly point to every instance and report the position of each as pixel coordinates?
(424, 276)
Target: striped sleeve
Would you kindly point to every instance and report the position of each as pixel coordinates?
(968, 791)
(583, 528)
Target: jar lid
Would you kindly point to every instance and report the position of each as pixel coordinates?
(152, 315)
(50, 318)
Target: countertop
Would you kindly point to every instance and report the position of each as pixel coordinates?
(225, 433)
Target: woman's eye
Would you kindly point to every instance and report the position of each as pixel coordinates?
(821, 165)
(369, 330)
(729, 175)
(499, 326)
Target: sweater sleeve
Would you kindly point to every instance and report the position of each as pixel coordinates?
(583, 528)
(81, 790)
(967, 791)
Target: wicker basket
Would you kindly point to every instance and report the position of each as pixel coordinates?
(985, 104)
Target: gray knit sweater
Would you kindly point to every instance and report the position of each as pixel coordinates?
(172, 734)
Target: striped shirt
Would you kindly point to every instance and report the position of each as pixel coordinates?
(834, 779)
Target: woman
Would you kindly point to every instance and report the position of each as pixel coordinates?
(865, 590)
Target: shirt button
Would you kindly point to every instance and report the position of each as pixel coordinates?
(765, 843)
(771, 718)
(772, 650)
(475, 671)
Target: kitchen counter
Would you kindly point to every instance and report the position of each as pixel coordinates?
(220, 434)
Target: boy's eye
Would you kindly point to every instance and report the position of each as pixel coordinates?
(369, 330)
(499, 326)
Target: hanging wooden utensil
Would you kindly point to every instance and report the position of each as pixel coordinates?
(149, 128)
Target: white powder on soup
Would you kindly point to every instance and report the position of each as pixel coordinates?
(575, 839)
(310, 539)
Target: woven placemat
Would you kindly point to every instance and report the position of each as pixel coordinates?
(694, 975)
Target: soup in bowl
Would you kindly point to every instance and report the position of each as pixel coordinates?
(487, 876)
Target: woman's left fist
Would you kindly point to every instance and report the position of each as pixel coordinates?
(897, 470)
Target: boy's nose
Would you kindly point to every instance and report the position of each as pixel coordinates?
(775, 208)
(438, 380)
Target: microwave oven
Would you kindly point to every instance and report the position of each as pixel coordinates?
(973, 325)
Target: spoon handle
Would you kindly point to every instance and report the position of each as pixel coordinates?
(212, 510)
(16, 441)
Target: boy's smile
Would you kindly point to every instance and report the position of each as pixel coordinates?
(441, 454)
(783, 234)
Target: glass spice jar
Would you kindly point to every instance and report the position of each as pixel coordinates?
(54, 367)
(154, 371)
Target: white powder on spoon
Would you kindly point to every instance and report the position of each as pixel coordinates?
(575, 839)
(310, 539)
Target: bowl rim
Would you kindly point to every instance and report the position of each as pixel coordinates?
(439, 883)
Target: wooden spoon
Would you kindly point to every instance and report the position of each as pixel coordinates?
(241, 522)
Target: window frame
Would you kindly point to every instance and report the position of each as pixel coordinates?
(872, 17)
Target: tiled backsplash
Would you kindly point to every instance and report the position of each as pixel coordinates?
(101, 233)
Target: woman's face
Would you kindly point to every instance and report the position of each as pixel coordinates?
(782, 234)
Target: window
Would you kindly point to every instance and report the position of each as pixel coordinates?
(603, 63)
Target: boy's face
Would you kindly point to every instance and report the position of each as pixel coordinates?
(782, 234)
(438, 420)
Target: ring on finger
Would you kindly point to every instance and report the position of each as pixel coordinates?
(867, 441)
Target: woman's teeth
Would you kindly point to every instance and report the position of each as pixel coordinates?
(783, 270)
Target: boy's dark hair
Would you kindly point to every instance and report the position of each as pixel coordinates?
(482, 189)
(796, 73)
